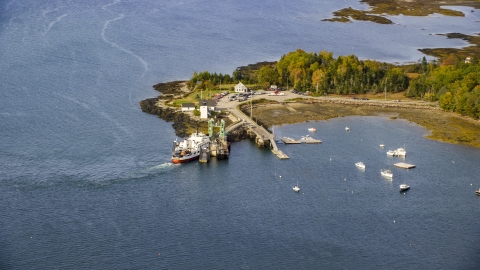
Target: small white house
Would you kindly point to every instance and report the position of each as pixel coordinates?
(273, 87)
(468, 60)
(206, 106)
(241, 88)
(188, 107)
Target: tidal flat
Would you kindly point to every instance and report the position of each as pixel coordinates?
(442, 126)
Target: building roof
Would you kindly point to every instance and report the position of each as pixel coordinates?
(188, 105)
(240, 84)
(208, 102)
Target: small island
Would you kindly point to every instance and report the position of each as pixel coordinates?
(441, 95)
(378, 11)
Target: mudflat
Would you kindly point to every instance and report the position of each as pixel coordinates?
(443, 126)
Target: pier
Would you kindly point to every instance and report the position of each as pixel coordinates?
(404, 165)
(287, 140)
(307, 139)
(263, 136)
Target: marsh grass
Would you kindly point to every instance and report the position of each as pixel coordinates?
(378, 9)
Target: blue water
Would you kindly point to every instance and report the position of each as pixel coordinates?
(86, 180)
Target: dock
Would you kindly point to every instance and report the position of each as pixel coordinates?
(279, 154)
(404, 165)
(307, 139)
(288, 140)
(262, 135)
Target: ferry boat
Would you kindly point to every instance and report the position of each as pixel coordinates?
(189, 148)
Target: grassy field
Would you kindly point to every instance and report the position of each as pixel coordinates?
(205, 94)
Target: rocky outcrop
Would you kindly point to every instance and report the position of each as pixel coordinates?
(183, 124)
(238, 134)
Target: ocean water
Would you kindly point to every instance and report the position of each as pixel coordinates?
(86, 180)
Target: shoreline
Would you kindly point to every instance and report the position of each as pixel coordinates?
(442, 126)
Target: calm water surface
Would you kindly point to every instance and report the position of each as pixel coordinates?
(86, 180)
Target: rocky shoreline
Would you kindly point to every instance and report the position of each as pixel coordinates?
(183, 123)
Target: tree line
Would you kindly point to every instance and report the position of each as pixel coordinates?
(451, 81)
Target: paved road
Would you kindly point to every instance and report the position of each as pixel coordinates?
(225, 103)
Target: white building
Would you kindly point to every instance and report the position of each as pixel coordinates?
(241, 88)
(188, 107)
(206, 106)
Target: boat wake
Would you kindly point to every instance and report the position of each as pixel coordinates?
(164, 166)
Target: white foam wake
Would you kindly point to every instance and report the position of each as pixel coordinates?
(115, 45)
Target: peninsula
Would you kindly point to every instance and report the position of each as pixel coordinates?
(442, 95)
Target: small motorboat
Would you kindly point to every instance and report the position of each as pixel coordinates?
(347, 128)
(386, 173)
(360, 165)
(477, 192)
(404, 187)
(312, 129)
(382, 145)
(296, 188)
(390, 153)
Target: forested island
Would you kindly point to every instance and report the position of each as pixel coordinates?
(453, 81)
(450, 84)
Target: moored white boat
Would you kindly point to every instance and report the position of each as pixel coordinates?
(189, 148)
(382, 145)
(347, 128)
(360, 165)
(386, 173)
(296, 188)
(312, 129)
(400, 152)
(404, 187)
(477, 192)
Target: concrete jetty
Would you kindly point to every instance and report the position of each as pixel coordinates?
(262, 135)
